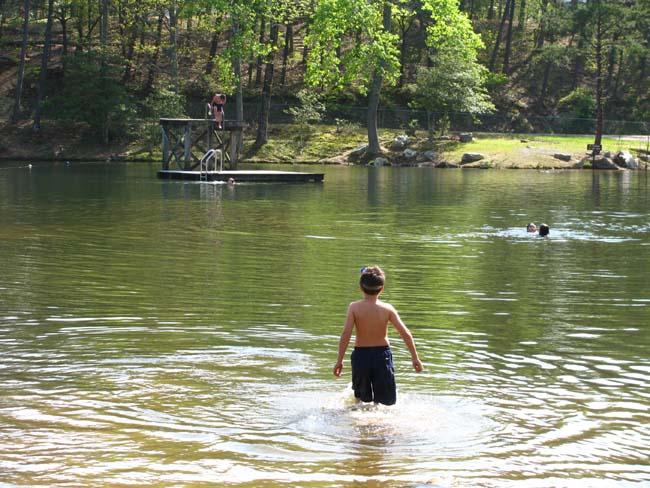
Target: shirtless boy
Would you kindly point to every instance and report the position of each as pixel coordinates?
(373, 374)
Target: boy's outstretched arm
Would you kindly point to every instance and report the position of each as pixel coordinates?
(344, 341)
(407, 337)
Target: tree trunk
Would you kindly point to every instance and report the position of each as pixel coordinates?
(578, 63)
(63, 20)
(617, 78)
(153, 66)
(214, 45)
(508, 50)
(375, 92)
(21, 68)
(79, 26)
(263, 123)
(305, 49)
(497, 41)
(103, 27)
(490, 12)
(643, 63)
(402, 52)
(103, 34)
(2, 17)
(539, 43)
(42, 77)
(611, 63)
(599, 76)
(288, 40)
(258, 71)
(542, 94)
(130, 49)
(173, 45)
(239, 98)
(521, 21)
(251, 60)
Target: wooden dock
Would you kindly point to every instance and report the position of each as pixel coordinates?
(257, 176)
(187, 146)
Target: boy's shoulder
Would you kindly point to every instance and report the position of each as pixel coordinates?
(379, 304)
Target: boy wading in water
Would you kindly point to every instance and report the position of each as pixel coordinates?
(373, 374)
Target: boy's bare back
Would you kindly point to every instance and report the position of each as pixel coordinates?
(371, 319)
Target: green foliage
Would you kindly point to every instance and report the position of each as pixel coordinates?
(452, 84)
(203, 86)
(412, 126)
(451, 30)
(579, 103)
(310, 110)
(345, 126)
(163, 103)
(354, 29)
(92, 93)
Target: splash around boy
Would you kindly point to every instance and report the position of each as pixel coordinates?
(373, 374)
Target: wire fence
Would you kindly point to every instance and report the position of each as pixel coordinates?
(404, 118)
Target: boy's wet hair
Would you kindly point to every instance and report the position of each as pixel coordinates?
(544, 230)
(372, 280)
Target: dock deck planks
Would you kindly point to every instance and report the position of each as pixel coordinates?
(243, 176)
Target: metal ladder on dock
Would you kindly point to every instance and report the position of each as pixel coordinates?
(214, 155)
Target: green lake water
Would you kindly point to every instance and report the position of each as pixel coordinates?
(161, 333)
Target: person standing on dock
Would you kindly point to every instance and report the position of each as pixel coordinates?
(216, 107)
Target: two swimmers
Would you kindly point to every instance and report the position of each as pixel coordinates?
(543, 229)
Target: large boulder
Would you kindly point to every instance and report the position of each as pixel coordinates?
(358, 152)
(400, 142)
(562, 156)
(601, 162)
(378, 162)
(466, 137)
(429, 155)
(409, 153)
(471, 158)
(625, 160)
(445, 164)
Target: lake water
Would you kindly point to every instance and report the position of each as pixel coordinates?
(160, 333)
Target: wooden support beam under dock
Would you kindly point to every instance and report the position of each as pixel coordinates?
(185, 141)
(242, 176)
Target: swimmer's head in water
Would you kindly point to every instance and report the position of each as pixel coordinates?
(531, 227)
(372, 280)
(544, 230)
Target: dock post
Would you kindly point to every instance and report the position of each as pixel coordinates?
(187, 153)
(208, 135)
(234, 139)
(165, 147)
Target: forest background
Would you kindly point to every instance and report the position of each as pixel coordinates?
(104, 71)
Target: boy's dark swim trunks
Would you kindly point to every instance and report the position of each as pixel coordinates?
(373, 375)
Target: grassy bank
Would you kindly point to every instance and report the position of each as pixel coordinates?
(315, 145)
(326, 144)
